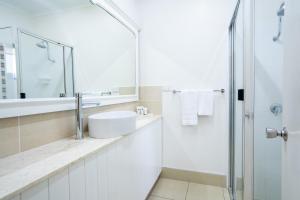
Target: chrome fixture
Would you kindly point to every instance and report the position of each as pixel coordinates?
(280, 15)
(276, 109)
(79, 114)
(45, 45)
(274, 133)
(222, 91)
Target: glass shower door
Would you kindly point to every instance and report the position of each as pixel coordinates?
(268, 101)
(277, 97)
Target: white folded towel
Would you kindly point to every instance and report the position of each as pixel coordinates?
(206, 103)
(189, 107)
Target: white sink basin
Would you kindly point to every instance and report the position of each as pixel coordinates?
(112, 124)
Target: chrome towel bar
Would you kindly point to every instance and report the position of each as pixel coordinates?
(222, 91)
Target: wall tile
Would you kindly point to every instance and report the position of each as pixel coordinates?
(37, 130)
(9, 134)
(151, 97)
(151, 93)
(195, 177)
(154, 107)
(127, 90)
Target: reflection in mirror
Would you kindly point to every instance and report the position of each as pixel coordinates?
(43, 67)
(45, 44)
(8, 66)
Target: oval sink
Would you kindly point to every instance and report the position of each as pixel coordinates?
(112, 124)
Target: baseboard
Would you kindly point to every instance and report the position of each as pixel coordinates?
(194, 177)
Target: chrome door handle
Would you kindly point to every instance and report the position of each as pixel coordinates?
(274, 133)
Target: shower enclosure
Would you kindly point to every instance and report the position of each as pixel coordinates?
(270, 127)
(236, 103)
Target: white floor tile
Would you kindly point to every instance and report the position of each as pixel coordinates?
(170, 189)
(204, 192)
(239, 195)
(157, 198)
(226, 194)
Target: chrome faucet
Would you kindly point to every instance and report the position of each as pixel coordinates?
(79, 115)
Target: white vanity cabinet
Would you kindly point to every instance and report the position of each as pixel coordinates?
(59, 186)
(124, 170)
(38, 192)
(133, 164)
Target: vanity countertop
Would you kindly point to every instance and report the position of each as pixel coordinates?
(21, 171)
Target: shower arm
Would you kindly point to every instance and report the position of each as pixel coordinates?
(280, 14)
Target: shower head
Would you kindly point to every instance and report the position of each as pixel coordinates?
(43, 44)
(281, 10)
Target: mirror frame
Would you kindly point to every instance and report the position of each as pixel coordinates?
(23, 107)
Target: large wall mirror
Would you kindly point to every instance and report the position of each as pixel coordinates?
(52, 49)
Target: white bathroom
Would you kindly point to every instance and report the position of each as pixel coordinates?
(149, 100)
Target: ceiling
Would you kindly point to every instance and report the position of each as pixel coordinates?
(36, 7)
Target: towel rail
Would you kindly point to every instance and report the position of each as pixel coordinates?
(222, 91)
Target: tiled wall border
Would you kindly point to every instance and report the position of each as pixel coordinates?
(195, 177)
(19, 134)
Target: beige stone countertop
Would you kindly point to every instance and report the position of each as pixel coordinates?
(21, 171)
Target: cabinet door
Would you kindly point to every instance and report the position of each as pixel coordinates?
(18, 197)
(125, 169)
(59, 186)
(102, 175)
(113, 168)
(91, 177)
(77, 181)
(38, 192)
(148, 157)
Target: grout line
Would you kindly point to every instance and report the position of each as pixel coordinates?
(154, 195)
(187, 190)
(19, 134)
(224, 193)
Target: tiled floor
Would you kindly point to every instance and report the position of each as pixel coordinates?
(168, 189)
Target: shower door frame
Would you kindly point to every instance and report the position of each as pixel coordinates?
(249, 84)
(232, 34)
(249, 87)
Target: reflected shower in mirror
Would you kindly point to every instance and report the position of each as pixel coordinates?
(43, 67)
(45, 44)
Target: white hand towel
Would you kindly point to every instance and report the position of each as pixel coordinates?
(189, 107)
(206, 103)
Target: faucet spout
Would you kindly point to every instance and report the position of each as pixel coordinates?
(79, 118)
(79, 115)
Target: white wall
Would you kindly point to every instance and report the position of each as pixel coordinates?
(10, 16)
(184, 44)
(104, 49)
